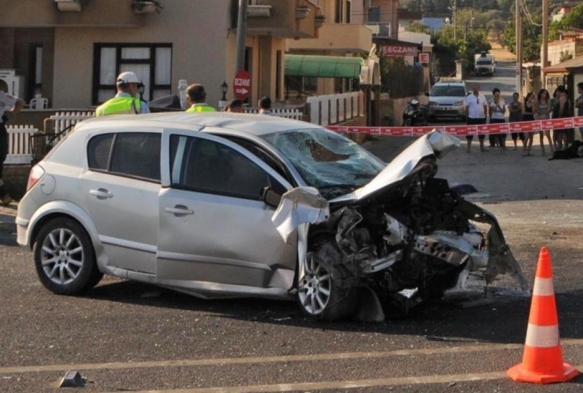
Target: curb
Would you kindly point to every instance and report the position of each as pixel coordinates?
(7, 218)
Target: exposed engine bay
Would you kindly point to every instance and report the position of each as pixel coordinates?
(418, 236)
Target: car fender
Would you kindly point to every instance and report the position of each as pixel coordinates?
(72, 210)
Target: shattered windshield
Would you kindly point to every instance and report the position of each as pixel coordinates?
(326, 160)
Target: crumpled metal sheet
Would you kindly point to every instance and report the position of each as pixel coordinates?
(435, 143)
(298, 206)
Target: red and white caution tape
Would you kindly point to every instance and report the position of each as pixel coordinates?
(462, 130)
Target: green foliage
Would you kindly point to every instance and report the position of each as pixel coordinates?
(531, 39)
(417, 27)
(574, 19)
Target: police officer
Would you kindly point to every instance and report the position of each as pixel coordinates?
(14, 105)
(126, 100)
(196, 97)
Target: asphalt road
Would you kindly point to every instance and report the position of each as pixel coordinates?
(126, 336)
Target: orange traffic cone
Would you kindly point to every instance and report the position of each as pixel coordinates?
(542, 361)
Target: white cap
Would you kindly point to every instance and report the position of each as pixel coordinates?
(128, 77)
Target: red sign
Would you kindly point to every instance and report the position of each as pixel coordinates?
(242, 85)
(424, 58)
(398, 50)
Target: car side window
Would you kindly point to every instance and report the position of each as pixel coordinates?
(135, 154)
(98, 151)
(210, 167)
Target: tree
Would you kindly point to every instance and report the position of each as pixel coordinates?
(531, 39)
(417, 27)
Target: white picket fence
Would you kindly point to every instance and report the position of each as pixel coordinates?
(19, 147)
(288, 113)
(62, 120)
(335, 108)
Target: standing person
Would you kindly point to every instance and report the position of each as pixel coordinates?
(528, 115)
(561, 109)
(265, 106)
(14, 105)
(497, 111)
(476, 109)
(235, 106)
(196, 97)
(126, 100)
(542, 112)
(579, 104)
(515, 110)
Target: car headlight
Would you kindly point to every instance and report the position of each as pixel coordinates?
(459, 103)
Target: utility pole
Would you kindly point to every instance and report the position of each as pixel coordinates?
(241, 34)
(454, 20)
(545, 54)
(519, 48)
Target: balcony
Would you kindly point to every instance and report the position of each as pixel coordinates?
(337, 37)
(280, 18)
(101, 13)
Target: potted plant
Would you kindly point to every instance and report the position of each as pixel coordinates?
(302, 11)
(146, 6)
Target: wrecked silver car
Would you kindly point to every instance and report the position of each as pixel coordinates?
(226, 205)
(404, 237)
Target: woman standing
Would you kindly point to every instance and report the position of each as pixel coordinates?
(528, 115)
(515, 109)
(497, 110)
(543, 112)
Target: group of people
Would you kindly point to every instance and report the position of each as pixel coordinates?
(130, 87)
(535, 107)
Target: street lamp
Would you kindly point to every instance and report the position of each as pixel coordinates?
(224, 89)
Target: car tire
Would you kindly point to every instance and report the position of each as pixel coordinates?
(64, 258)
(318, 295)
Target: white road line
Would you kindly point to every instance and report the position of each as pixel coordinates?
(335, 385)
(270, 359)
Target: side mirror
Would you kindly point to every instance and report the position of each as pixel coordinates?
(270, 197)
(427, 94)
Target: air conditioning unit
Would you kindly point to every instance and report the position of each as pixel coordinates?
(15, 82)
(68, 5)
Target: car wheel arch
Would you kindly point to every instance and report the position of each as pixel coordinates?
(57, 209)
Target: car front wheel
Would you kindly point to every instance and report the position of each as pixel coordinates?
(64, 258)
(318, 295)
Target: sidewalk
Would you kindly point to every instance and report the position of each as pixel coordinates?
(7, 216)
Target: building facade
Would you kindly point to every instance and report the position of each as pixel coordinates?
(70, 51)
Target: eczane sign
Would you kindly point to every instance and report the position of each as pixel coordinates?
(398, 50)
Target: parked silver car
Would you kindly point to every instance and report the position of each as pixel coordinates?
(224, 205)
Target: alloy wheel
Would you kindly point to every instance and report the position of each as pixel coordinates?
(315, 287)
(62, 256)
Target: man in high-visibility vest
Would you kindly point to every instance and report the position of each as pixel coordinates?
(126, 100)
(196, 97)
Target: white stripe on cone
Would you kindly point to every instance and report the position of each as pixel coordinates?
(543, 287)
(542, 336)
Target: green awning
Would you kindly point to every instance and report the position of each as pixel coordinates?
(323, 66)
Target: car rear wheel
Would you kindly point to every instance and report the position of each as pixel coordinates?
(319, 295)
(64, 258)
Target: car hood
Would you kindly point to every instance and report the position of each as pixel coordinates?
(435, 143)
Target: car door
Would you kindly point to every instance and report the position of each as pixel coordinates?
(214, 229)
(120, 186)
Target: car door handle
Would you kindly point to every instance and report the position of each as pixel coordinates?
(179, 210)
(101, 193)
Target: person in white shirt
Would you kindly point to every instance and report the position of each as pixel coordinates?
(14, 105)
(497, 115)
(476, 110)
